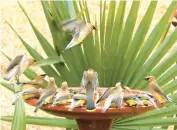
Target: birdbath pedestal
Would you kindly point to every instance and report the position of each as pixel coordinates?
(94, 120)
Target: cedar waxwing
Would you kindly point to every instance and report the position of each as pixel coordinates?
(14, 62)
(129, 102)
(79, 30)
(156, 91)
(49, 92)
(32, 91)
(37, 83)
(90, 83)
(62, 94)
(78, 101)
(106, 94)
(145, 97)
(131, 96)
(116, 97)
(18, 66)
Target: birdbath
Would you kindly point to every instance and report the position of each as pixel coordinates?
(95, 120)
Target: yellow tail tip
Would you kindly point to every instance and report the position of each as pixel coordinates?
(90, 110)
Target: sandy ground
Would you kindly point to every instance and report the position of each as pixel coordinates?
(11, 45)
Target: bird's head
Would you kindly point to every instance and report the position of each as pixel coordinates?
(127, 89)
(93, 27)
(41, 77)
(64, 85)
(52, 80)
(31, 61)
(149, 78)
(90, 75)
(118, 85)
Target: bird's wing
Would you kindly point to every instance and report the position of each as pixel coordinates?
(31, 82)
(158, 90)
(12, 73)
(79, 97)
(95, 82)
(119, 101)
(105, 94)
(107, 103)
(73, 41)
(15, 62)
(74, 104)
(84, 81)
(31, 90)
(73, 25)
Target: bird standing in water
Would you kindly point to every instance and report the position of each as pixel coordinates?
(78, 100)
(49, 92)
(79, 30)
(62, 94)
(116, 96)
(90, 83)
(37, 83)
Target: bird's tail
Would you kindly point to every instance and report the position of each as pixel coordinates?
(55, 102)
(139, 101)
(73, 105)
(18, 95)
(71, 44)
(107, 104)
(153, 103)
(10, 75)
(38, 105)
(119, 102)
(170, 99)
(90, 99)
(97, 101)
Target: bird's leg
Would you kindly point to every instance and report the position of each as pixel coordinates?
(17, 79)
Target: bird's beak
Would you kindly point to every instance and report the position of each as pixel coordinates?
(43, 74)
(94, 28)
(146, 78)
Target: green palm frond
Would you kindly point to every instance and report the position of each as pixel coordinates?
(116, 51)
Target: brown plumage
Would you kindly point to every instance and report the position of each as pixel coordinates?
(156, 91)
(50, 91)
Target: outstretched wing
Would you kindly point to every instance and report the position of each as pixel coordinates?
(73, 25)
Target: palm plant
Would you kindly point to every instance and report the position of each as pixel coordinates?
(116, 51)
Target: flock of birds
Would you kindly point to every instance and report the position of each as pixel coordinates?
(88, 93)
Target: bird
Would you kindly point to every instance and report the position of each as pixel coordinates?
(132, 99)
(79, 30)
(18, 66)
(145, 98)
(49, 92)
(62, 94)
(116, 96)
(78, 100)
(14, 62)
(32, 91)
(37, 83)
(106, 94)
(156, 91)
(90, 83)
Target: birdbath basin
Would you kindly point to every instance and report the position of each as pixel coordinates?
(95, 120)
